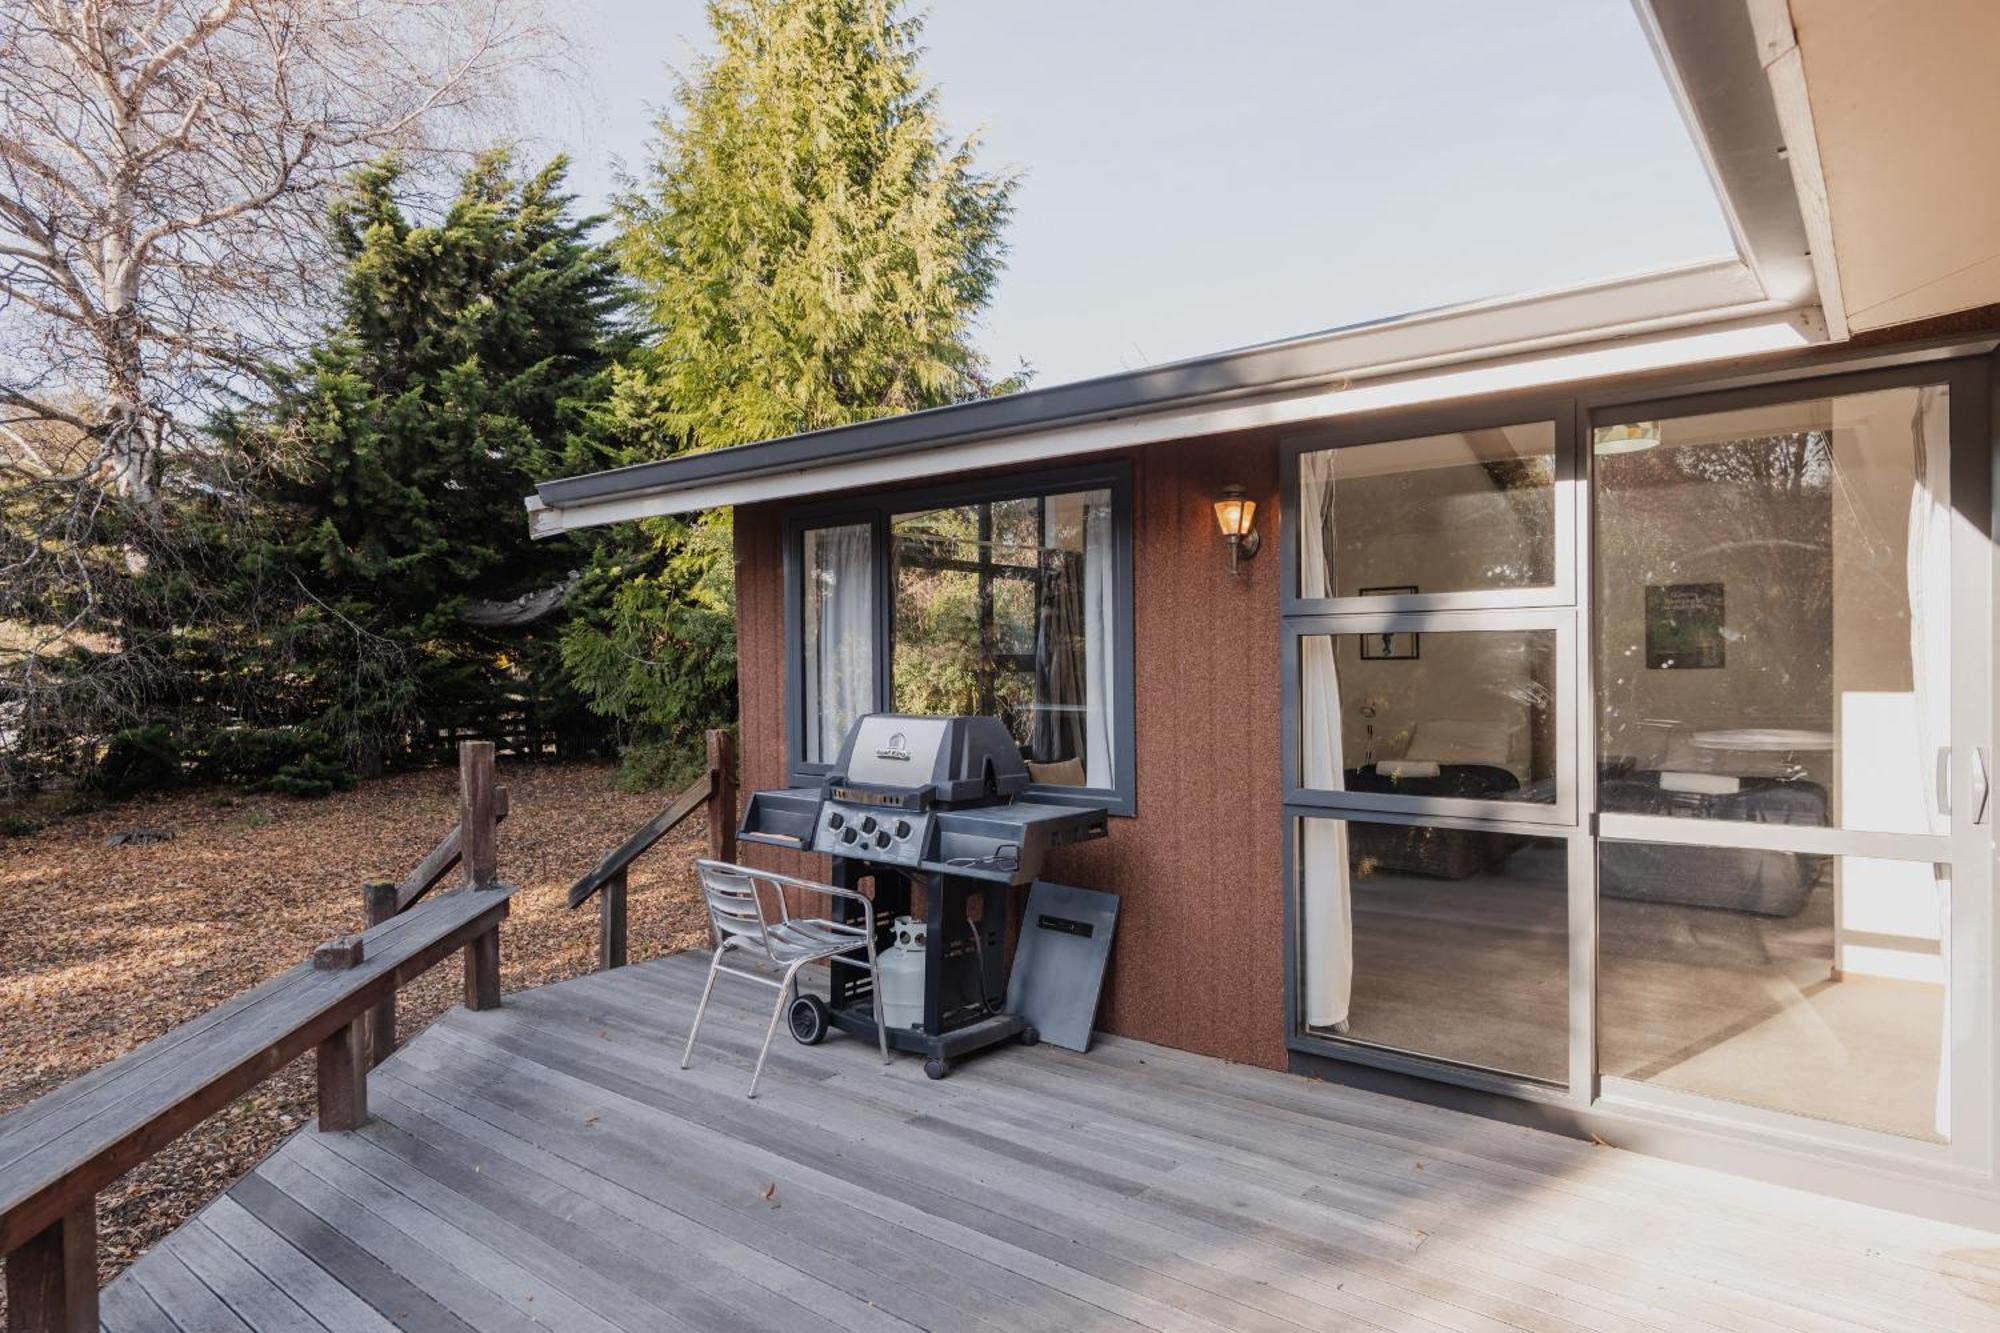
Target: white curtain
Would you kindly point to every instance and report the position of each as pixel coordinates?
(1326, 908)
(1927, 573)
(1099, 570)
(840, 635)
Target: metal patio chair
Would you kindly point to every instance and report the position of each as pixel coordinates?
(747, 913)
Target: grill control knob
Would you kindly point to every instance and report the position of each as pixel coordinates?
(836, 821)
(847, 835)
(868, 824)
(882, 838)
(902, 828)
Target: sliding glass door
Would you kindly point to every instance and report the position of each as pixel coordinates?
(1637, 756)
(1790, 610)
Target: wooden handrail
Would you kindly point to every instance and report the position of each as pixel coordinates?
(437, 863)
(615, 862)
(608, 880)
(58, 1151)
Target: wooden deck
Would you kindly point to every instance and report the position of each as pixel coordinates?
(545, 1166)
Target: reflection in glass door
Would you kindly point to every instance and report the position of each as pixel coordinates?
(1774, 625)
(1702, 834)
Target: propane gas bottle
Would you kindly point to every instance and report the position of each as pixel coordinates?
(902, 967)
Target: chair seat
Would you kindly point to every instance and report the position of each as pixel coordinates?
(809, 938)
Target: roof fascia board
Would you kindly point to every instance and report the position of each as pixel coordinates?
(1784, 68)
(1689, 294)
(1290, 407)
(1714, 66)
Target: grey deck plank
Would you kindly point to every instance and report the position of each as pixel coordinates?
(124, 1307)
(609, 1171)
(183, 1297)
(1749, 1304)
(901, 1267)
(679, 1282)
(1629, 1180)
(292, 1270)
(503, 1254)
(257, 1300)
(1112, 1098)
(1034, 1189)
(1739, 1263)
(790, 1139)
(1109, 1099)
(547, 1166)
(1383, 1294)
(341, 1245)
(913, 1236)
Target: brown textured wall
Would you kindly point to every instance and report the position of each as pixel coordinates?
(1199, 958)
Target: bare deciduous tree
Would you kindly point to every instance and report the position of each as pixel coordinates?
(164, 171)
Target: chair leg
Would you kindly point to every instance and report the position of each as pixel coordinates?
(714, 966)
(784, 998)
(875, 990)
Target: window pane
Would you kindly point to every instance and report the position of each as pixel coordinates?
(1452, 713)
(838, 636)
(1809, 984)
(1005, 609)
(1774, 596)
(1449, 943)
(1446, 513)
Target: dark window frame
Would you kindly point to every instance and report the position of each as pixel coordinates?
(877, 510)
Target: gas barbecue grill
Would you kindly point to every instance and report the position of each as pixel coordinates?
(930, 802)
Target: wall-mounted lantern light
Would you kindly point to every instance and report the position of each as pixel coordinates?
(1236, 516)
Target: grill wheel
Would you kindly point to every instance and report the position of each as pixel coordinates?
(808, 1018)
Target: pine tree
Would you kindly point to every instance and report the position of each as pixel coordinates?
(811, 249)
(467, 351)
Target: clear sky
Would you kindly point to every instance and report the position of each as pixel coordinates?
(1205, 174)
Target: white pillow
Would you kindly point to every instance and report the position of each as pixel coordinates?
(1460, 741)
(1406, 768)
(1701, 784)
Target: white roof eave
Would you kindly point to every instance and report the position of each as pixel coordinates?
(1681, 316)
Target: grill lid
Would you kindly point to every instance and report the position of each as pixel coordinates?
(958, 759)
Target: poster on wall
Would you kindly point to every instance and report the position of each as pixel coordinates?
(1387, 647)
(1684, 626)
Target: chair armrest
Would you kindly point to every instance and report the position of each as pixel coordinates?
(833, 891)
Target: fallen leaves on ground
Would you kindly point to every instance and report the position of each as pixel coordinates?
(104, 948)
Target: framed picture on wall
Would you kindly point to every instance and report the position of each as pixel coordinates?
(1684, 626)
(1389, 647)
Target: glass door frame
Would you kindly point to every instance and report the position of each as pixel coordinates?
(1970, 373)
(1967, 850)
(1555, 608)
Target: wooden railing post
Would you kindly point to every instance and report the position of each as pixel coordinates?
(482, 971)
(722, 796)
(343, 1077)
(611, 923)
(378, 904)
(52, 1280)
(480, 830)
